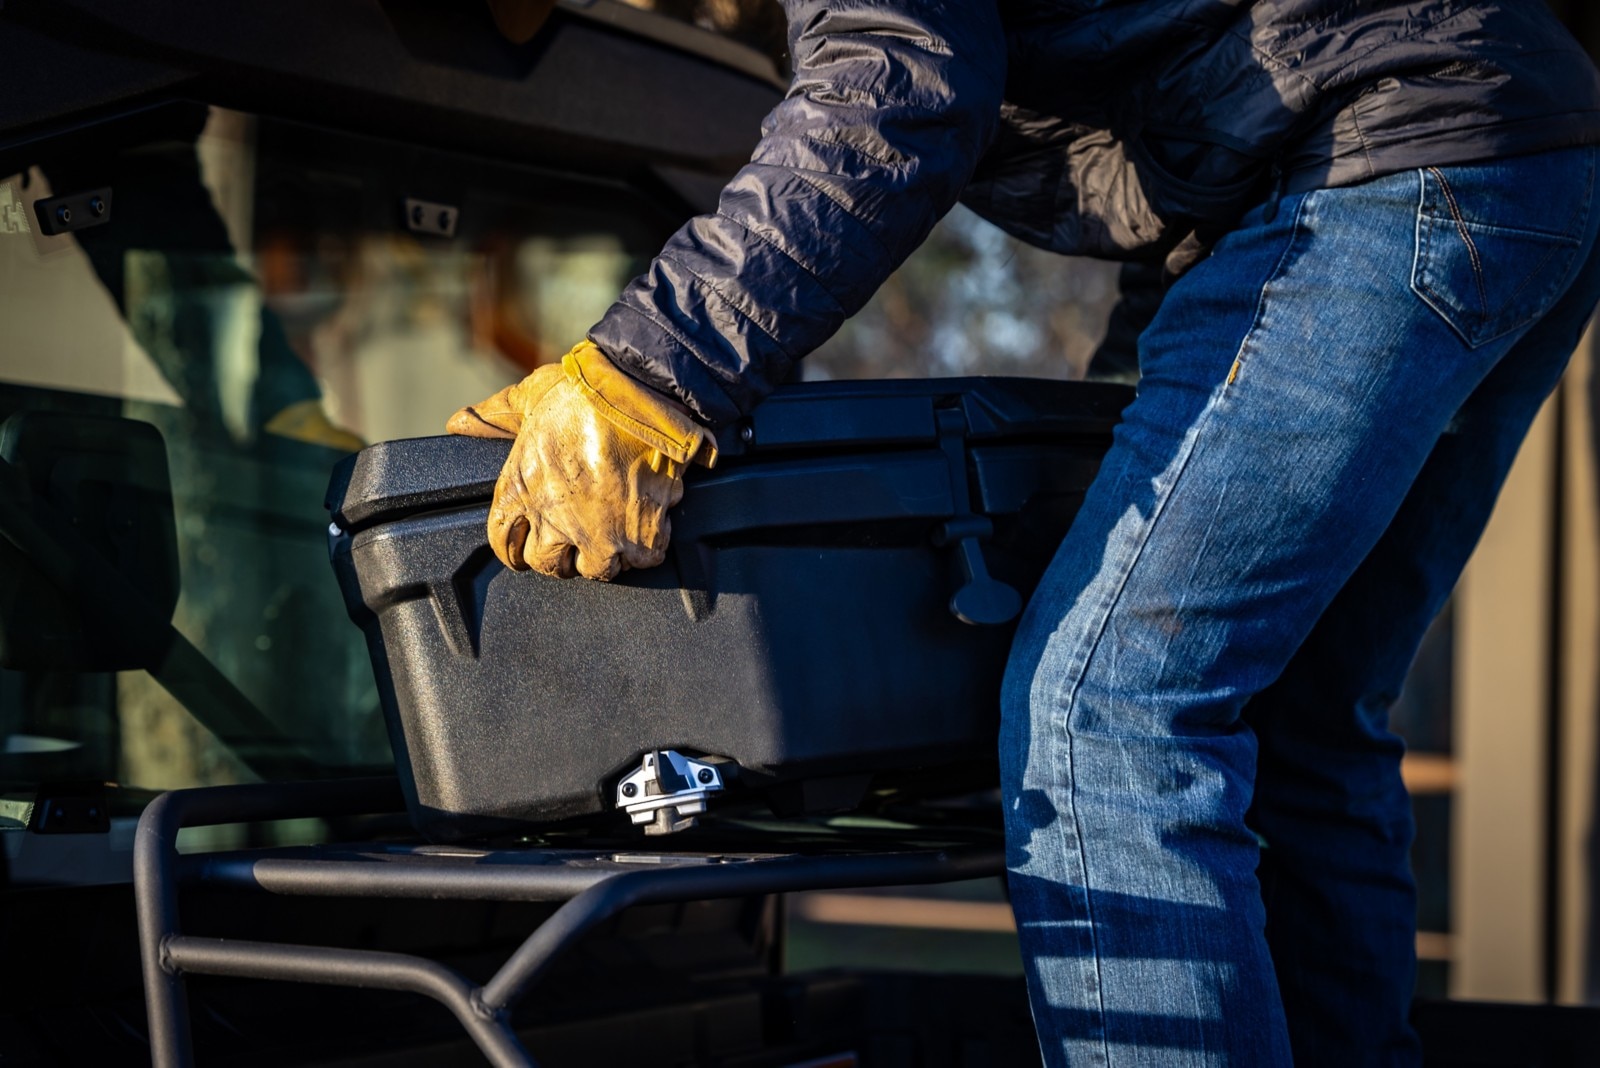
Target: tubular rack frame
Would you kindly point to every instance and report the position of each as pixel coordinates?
(593, 885)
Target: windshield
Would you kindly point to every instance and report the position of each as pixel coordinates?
(179, 380)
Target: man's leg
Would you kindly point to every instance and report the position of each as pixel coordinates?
(1294, 385)
(1340, 901)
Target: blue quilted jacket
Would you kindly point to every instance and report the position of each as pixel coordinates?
(1127, 129)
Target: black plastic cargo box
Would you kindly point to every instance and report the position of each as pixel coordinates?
(833, 616)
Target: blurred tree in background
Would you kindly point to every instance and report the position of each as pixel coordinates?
(974, 300)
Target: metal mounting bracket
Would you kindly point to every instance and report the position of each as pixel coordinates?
(667, 791)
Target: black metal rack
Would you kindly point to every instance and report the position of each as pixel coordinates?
(594, 883)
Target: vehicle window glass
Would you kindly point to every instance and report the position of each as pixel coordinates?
(258, 297)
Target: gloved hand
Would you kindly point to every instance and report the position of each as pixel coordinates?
(598, 460)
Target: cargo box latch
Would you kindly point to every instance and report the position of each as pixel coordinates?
(980, 599)
(667, 791)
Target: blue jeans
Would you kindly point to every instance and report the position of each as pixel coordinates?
(1207, 830)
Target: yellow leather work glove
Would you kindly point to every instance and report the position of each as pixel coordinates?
(598, 459)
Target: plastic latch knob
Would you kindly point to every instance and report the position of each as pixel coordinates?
(982, 600)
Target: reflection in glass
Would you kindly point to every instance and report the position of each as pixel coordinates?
(257, 300)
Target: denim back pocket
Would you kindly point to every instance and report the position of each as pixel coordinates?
(1496, 243)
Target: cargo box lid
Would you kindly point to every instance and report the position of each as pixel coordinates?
(408, 476)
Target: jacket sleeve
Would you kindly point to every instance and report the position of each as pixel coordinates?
(891, 105)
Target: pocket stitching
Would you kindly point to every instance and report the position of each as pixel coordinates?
(1427, 213)
(1477, 334)
(1507, 231)
(1420, 270)
(1548, 256)
(1466, 236)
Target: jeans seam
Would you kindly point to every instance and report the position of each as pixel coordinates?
(1075, 848)
(1219, 395)
(1466, 237)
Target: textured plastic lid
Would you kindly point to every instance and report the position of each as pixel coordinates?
(412, 475)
